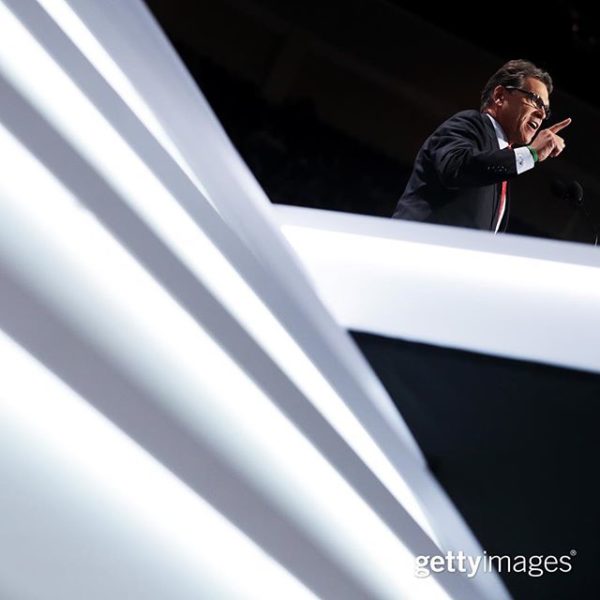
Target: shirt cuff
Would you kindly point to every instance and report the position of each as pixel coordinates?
(524, 159)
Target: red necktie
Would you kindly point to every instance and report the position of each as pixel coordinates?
(501, 206)
(501, 202)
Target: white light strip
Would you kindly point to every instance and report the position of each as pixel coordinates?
(132, 37)
(76, 30)
(58, 98)
(114, 303)
(87, 463)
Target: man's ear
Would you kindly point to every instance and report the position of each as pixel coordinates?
(498, 95)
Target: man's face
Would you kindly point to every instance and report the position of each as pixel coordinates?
(519, 113)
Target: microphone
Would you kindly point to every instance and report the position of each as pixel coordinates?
(572, 192)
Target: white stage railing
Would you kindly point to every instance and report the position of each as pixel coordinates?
(506, 295)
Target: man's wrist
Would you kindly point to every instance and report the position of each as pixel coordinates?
(534, 153)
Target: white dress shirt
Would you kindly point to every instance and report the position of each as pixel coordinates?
(523, 157)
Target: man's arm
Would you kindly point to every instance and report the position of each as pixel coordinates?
(458, 161)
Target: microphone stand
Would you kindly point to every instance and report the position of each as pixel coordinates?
(594, 225)
(572, 193)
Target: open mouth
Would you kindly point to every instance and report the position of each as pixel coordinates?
(533, 125)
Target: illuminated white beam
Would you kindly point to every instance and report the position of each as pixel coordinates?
(508, 296)
(128, 347)
(128, 33)
(159, 180)
(75, 29)
(91, 134)
(88, 513)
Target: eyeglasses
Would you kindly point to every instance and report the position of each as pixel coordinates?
(533, 97)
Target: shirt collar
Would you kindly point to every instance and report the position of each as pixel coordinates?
(502, 139)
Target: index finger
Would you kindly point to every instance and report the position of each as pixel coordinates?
(558, 126)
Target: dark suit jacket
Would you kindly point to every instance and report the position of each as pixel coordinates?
(457, 175)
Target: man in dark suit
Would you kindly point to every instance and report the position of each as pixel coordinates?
(460, 174)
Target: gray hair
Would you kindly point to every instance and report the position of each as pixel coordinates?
(514, 73)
